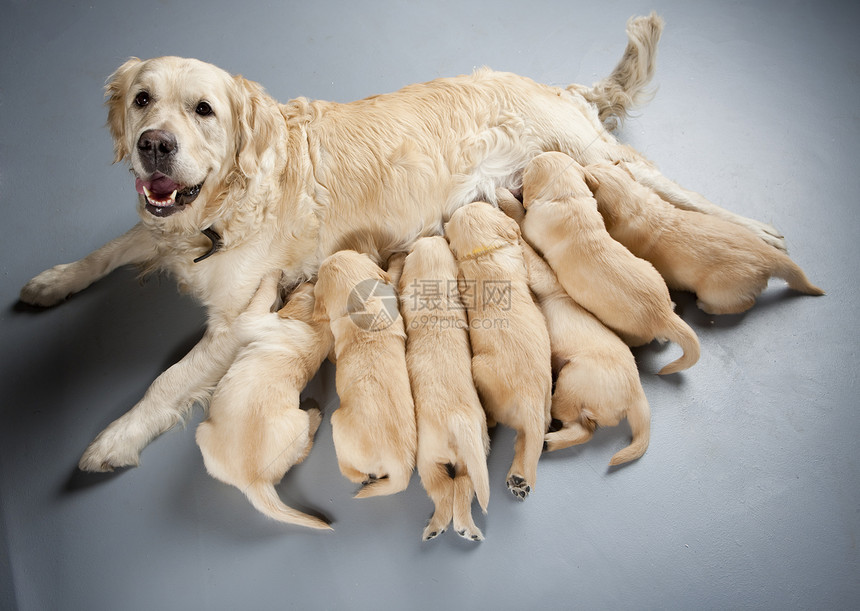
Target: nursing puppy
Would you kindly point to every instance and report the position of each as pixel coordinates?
(452, 427)
(725, 264)
(510, 344)
(624, 292)
(255, 430)
(597, 381)
(374, 429)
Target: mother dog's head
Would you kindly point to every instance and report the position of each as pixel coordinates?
(188, 130)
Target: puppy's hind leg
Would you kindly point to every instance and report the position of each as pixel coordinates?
(571, 434)
(394, 481)
(314, 421)
(464, 492)
(439, 485)
(725, 304)
(527, 451)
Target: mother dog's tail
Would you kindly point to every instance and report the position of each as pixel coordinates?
(616, 94)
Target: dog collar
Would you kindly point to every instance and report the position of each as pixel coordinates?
(216, 244)
(480, 251)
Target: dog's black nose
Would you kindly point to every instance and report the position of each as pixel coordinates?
(156, 146)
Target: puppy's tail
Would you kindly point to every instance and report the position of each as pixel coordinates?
(616, 94)
(789, 271)
(639, 419)
(265, 499)
(680, 332)
(392, 484)
(472, 441)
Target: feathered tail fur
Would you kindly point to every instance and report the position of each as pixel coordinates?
(615, 95)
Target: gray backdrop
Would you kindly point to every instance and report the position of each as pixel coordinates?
(748, 496)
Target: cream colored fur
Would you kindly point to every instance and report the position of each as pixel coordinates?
(725, 264)
(452, 427)
(510, 343)
(255, 430)
(624, 292)
(286, 185)
(597, 381)
(374, 428)
(626, 87)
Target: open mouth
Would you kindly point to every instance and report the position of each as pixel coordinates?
(164, 196)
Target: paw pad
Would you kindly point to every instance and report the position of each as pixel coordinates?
(518, 486)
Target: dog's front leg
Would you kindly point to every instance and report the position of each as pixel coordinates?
(676, 195)
(56, 284)
(167, 402)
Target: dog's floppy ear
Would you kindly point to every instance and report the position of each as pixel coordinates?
(320, 313)
(116, 89)
(256, 116)
(512, 228)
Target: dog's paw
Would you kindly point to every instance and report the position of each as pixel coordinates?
(518, 486)
(314, 420)
(110, 450)
(471, 533)
(431, 532)
(48, 288)
(769, 234)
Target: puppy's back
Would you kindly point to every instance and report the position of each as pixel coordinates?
(438, 357)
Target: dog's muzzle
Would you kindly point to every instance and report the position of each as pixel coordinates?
(156, 150)
(163, 196)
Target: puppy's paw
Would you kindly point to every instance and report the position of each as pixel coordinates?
(110, 450)
(314, 421)
(431, 532)
(49, 288)
(471, 533)
(518, 486)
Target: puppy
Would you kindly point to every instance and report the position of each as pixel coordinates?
(510, 343)
(452, 427)
(374, 428)
(255, 430)
(597, 381)
(725, 264)
(624, 292)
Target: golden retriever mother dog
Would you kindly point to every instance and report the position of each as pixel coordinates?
(232, 184)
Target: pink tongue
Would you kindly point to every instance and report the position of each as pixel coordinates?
(158, 185)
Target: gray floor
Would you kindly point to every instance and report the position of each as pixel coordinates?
(750, 493)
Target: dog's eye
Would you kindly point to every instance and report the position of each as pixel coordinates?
(203, 109)
(142, 99)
